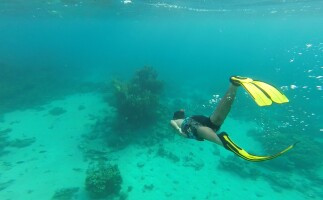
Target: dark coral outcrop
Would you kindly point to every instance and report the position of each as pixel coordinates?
(137, 101)
(103, 180)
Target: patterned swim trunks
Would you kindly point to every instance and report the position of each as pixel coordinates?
(189, 127)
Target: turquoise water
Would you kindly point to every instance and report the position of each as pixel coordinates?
(62, 116)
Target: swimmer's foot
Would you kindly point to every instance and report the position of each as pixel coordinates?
(238, 80)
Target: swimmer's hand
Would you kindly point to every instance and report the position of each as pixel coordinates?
(181, 132)
(178, 129)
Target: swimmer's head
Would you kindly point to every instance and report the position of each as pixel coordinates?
(180, 114)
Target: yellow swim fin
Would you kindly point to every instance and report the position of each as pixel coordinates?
(263, 93)
(274, 94)
(231, 146)
(260, 98)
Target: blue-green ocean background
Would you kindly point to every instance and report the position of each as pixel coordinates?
(198, 44)
(195, 46)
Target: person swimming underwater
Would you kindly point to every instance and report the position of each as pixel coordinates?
(202, 128)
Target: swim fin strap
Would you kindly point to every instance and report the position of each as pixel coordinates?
(231, 146)
(263, 93)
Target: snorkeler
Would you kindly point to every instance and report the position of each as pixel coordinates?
(201, 128)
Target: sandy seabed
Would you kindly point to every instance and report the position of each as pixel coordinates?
(54, 161)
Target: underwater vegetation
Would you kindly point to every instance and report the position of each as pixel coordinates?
(137, 101)
(137, 104)
(103, 180)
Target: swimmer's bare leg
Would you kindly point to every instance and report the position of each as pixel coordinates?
(208, 134)
(224, 106)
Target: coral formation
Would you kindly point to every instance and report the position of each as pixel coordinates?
(136, 106)
(103, 180)
(137, 101)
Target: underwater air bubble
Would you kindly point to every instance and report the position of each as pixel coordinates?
(284, 88)
(127, 1)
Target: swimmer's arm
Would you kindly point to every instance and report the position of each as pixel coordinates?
(178, 129)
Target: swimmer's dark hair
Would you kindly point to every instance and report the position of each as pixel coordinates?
(179, 114)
